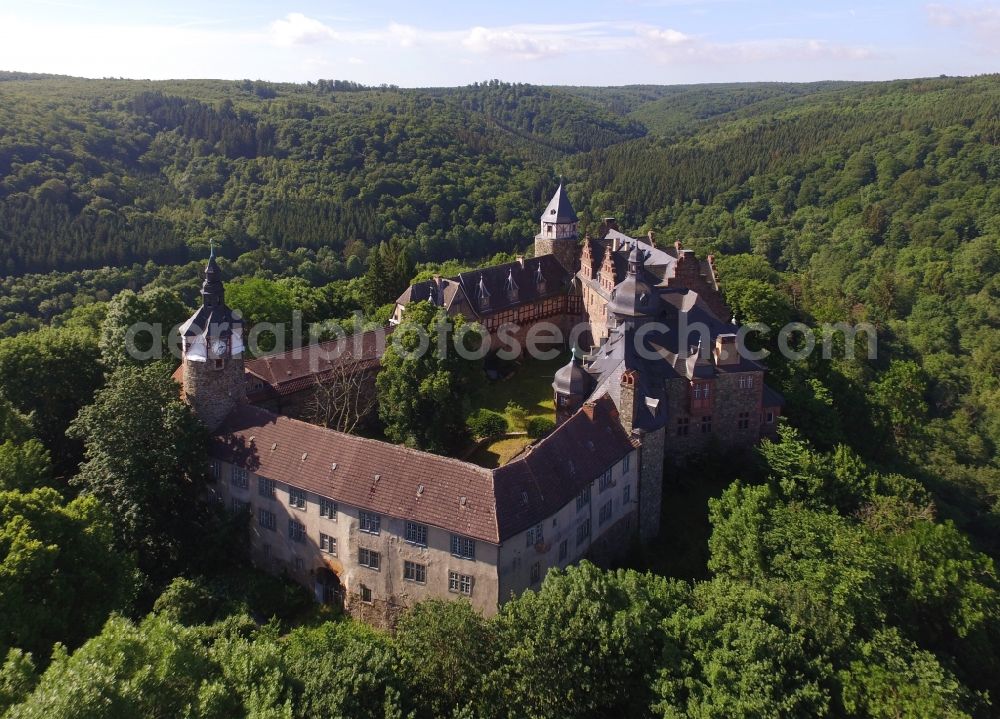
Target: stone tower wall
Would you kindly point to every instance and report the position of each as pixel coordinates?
(214, 393)
(651, 484)
(564, 248)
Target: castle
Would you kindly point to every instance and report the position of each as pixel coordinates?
(378, 527)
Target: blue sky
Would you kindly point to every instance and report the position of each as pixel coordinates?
(453, 43)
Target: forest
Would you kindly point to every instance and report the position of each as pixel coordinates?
(846, 569)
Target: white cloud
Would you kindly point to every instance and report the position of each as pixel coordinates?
(513, 43)
(297, 47)
(981, 21)
(297, 29)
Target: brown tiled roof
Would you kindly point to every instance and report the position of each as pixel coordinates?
(376, 476)
(288, 372)
(540, 482)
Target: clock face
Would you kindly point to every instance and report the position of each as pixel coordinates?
(219, 347)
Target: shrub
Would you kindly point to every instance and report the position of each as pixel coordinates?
(486, 423)
(518, 415)
(540, 426)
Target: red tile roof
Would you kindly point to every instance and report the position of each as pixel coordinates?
(540, 482)
(384, 478)
(489, 505)
(288, 372)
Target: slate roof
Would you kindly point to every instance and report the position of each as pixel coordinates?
(772, 398)
(460, 294)
(554, 471)
(559, 209)
(377, 476)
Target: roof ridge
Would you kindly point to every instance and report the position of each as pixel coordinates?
(363, 440)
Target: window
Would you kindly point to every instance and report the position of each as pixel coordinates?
(604, 482)
(563, 550)
(746, 382)
(365, 593)
(583, 499)
(238, 506)
(770, 417)
(626, 494)
(239, 478)
(416, 534)
(605, 514)
(328, 544)
(369, 558)
(626, 463)
(463, 547)
(683, 425)
(536, 572)
(534, 536)
(461, 583)
(296, 531)
(265, 487)
(706, 425)
(297, 497)
(328, 508)
(299, 564)
(583, 532)
(216, 469)
(413, 572)
(266, 519)
(744, 420)
(369, 523)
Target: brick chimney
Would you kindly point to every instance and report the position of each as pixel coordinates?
(726, 352)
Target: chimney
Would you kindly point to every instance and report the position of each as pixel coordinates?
(520, 260)
(726, 351)
(626, 403)
(677, 247)
(611, 223)
(614, 244)
(651, 236)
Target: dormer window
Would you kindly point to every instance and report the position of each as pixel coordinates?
(511, 287)
(484, 295)
(540, 279)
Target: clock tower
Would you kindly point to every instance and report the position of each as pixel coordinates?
(213, 379)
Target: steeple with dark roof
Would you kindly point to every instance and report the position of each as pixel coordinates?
(559, 210)
(557, 233)
(213, 377)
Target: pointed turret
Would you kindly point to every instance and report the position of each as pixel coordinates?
(212, 359)
(558, 231)
(560, 209)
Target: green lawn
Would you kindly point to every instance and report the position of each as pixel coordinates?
(531, 387)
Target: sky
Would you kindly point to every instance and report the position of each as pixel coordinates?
(438, 42)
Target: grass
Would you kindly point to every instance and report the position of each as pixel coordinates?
(529, 386)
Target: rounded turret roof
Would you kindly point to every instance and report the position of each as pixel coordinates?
(572, 378)
(633, 296)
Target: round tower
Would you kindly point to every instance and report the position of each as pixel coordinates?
(213, 379)
(572, 386)
(557, 233)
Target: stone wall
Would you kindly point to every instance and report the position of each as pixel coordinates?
(731, 406)
(651, 484)
(564, 248)
(214, 392)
